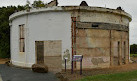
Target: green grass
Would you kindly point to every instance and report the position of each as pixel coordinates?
(126, 76)
(131, 55)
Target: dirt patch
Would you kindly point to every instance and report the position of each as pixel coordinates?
(2, 61)
(89, 72)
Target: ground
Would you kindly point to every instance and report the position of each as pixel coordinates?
(91, 72)
(2, 61)
(15, 74)
(124, 76)
(18, 74)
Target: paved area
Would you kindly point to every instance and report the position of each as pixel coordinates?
(0, 78)
(18, 74)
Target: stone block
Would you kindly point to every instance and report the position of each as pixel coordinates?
(40, 68)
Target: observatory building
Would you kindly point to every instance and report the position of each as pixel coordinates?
(47, 35)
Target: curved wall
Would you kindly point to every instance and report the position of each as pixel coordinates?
(102, 38)
(39, 27)
(98, 44)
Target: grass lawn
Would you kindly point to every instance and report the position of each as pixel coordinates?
(126, 76)
(131, 55)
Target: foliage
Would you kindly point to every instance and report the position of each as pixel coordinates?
(28, 5)
(133, 49)
(133, 55)
(126, 76)
(38, 3)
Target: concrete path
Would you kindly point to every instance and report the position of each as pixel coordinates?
(18, 74)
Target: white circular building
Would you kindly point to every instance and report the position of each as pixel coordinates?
(46, 35)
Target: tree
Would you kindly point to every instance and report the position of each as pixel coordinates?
(38, 3)
(133, 49)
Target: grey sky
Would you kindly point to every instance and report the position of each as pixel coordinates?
(129, 6)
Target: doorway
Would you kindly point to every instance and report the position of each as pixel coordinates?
(50, 53)
(39, 48)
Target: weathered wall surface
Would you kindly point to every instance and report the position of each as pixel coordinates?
(94, 45)
(53, 55)
(99, 47)
(103, 17)
(102, 38)
(120, 53)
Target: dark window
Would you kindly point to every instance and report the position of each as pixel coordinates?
(119, 52)
(94, 25)
(124, 48)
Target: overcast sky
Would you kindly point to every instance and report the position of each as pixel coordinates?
(129, 6)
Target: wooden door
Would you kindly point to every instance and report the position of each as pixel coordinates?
(39, 52)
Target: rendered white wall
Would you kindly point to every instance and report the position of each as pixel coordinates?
(39, 27)
(16, 57)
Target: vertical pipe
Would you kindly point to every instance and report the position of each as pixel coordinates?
(72, 34)
(74, 20)
(72, 37)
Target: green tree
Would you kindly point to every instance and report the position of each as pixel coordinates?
(38, 3)
(133, 49)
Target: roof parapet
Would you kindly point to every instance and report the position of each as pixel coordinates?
(71, 8)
